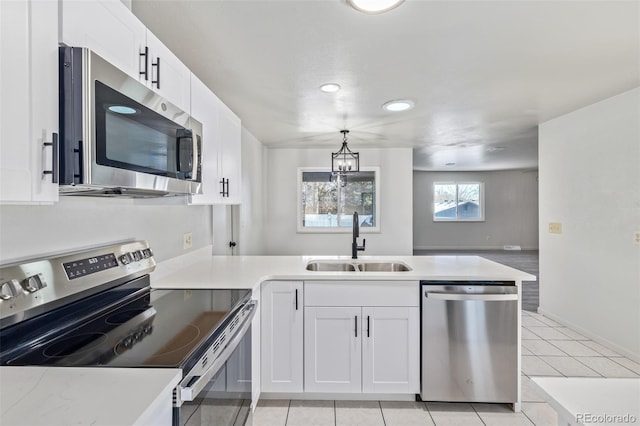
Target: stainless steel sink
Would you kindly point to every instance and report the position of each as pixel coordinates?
(348, 266)
(331, 266)
(383, 267)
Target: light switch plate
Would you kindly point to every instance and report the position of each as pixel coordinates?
(187, 241)
(636, 237)
(555, 228)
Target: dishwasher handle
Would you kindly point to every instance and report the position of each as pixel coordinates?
(471, 297)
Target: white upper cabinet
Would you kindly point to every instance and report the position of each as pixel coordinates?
(29, 101)
(109, 29)
(167, 74)
(221, 147)
(112, 31)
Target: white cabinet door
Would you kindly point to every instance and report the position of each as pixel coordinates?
(390, 350)
(29, 101)
(221, 147)
(332, 349)
(282, 336)
(204, 105)
(109, 29)
(230, 129)
(168, 75)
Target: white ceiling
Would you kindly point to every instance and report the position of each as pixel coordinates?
(482, 74)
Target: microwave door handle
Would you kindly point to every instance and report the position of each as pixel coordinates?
(182, 134)
(189, 388)
(196, 159)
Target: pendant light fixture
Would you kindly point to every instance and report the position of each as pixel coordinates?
(345, 161)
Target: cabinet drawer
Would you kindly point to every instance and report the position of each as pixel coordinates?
(361, 293)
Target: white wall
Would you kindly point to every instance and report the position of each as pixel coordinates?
(590, 183)
(511, 212)
(396, 211)
(77, 222)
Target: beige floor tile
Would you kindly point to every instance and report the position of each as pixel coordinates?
(500, 415)
(358, 413)
(569, 366)
(548, 321)
(602, 350)
(530, 392)
(534, 366)
(532, 321)
(548, 333)
(405, 413)
(271, 412)
(542, 347)
(571, 334)
(626, 362)
(311, 413)
(526, 351)
(540, 414)
(453, 414)
(574, 348)
(528, 335)
(606, 367)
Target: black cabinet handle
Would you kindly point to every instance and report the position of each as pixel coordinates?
(157, 65)
(55, 158)
(225, 187)
(296, 299)
(368, 325)
(356, 329)
(145, 54)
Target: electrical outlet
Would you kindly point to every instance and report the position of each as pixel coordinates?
(636, 237)
(187, 241)
(187, 294)
(555, 228)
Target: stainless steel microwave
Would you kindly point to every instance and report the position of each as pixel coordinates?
(120, 138)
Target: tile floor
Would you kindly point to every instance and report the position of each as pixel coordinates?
(548, 349)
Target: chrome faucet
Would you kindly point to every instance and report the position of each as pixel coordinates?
(355, 248)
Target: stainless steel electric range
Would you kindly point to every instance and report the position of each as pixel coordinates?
(95, 308)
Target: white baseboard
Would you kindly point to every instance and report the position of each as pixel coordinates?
(502, 248)
(339, 396)
(595, 337)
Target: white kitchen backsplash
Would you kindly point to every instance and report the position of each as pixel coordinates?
(79, 222)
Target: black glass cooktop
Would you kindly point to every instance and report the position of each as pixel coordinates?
(144, 328)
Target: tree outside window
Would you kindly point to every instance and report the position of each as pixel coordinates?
(327, 201)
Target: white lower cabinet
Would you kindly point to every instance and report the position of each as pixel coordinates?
(332, 349)
(391, 349)
(368, 349)
(282, 336)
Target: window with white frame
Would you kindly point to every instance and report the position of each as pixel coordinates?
(326, 202)
(458, 201)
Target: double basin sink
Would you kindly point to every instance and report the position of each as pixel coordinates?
(355, 266)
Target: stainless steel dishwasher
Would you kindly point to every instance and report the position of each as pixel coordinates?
(469, 341)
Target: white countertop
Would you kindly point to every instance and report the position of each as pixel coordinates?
(577, 398)
(200, 270)
(69, 395)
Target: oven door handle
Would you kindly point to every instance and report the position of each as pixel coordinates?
(188, 388)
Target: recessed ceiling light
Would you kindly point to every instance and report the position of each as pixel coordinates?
(374, 6)
(495, 148)
(330, 87)
(399, 105)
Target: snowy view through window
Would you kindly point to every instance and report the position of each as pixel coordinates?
(457, 201)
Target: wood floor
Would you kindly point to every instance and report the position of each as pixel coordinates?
(524, 260)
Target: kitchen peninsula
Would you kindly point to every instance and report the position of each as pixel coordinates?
(332, 327)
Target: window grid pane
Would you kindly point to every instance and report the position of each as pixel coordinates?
(329, 201)
(457, 201)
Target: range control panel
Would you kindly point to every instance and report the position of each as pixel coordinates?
(35, 283)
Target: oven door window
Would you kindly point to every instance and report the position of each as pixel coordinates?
(133, 137)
